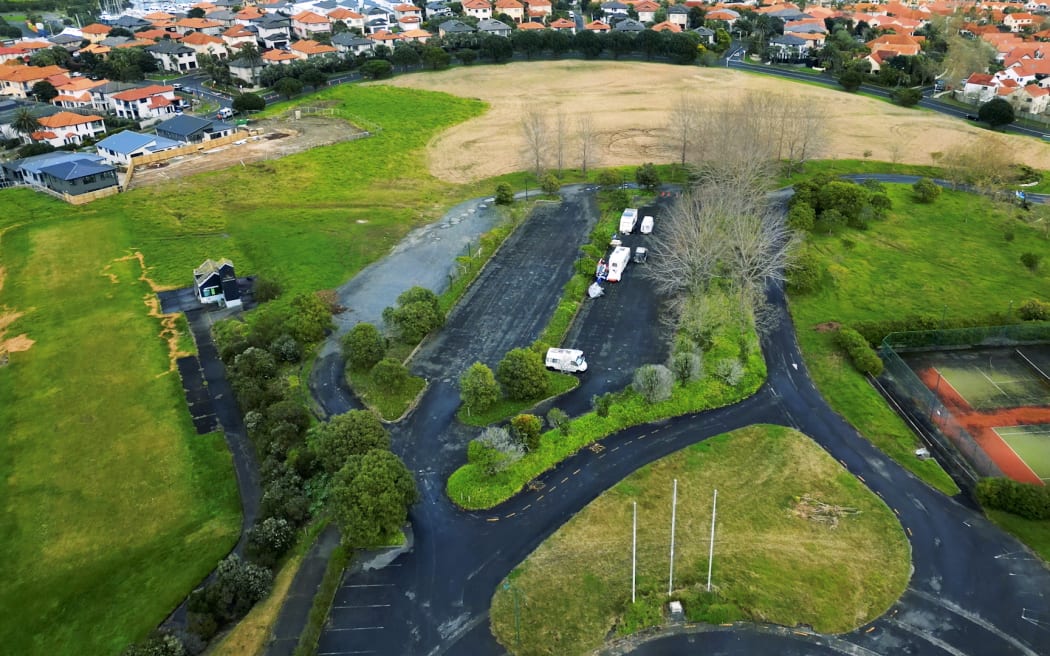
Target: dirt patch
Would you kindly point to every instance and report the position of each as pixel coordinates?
(272, 138)
(11, 344)
(630, 104)
(827, 327)
(3, 274)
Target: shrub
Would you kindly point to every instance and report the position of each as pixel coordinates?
(416, 314)
(880, 203)
(390, 374)
(609, 179)
(478, 388)
(559, 420)
(369, 497)
(159, 643)
(352, 433)
(270, 539)
(504, 194)
(729, 371)
(1034, 310)
(527, 429)
(906, 96)
(248, 102)
(236, 587)
(602, 404)
(363, 347)
(830, 221)
(522, 375)
(550, 184)
(687, 366)
(310, 318)
(926, 190)
(283, 498)
(494, 450)
(864, 358)
(1024, 499)
(286, 349)
(801, 217)
(654, 382)
(266, 289)
(807, 273)
(647, 176)
(1031, 260)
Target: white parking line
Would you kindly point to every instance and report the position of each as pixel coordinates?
(365, 606)
(361, 628)
(370, 585)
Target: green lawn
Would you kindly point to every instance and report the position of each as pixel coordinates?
(947, 259)
(559, 384)
(774, 562)
(389, 404)
(113, 508)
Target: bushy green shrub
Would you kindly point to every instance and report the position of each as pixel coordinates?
(654, 382)
(926, 190)
(559, 420)
(550, 184)
(601, 404)
(270, 539)
(864, 358)
(522, 374)
(286, 349)
(478, 388)
(807, 273)
(801, 216)
(418, 312)
(1031, 260)
(363, 346)
(390, 374)
(1023, 499)
(352, 433)
(504, 194)
(266, 289)
(527, 429)
(729, 371)
(1034, 310)
(687, 366)
(494, 450)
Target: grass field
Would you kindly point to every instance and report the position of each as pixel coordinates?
(774, 562)
(902, 267)
(112, 506)
(114, 509)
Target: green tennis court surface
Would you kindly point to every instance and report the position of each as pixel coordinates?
(1031, 444)
(991, 378)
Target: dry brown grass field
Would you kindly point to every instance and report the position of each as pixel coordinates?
(630, 103)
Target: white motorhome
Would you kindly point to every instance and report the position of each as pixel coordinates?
(628, 219)
(621, 255)
(647, 225)
(567, 360)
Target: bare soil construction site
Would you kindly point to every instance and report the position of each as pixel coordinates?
(630, 104)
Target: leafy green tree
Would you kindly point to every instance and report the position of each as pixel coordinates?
(589, 44)
(478, 388)
(504, 194)
(467, 56)
(311, 317)
(550, 184)
(618, 43)
(830, 221)
(195, 12)
(649, 43)
(494, 450)
(497, 48)
(906, 96)
(370, 496)
(687, 366)
(417, 313)
(850, 80)
(527, 430)
(647, 176)
(283, 497)
(377, 69)
(801, 217)
(557, 42)
(602, 404)
(350, 434)
(559, 420)
(35, 148)
(363, 346)
(529, 42)
(522, 375)
(654, 382)
(236, 587)
(436, 58)
(270, 539)
(44, 91)
(290, 87)
(249, 102)
(404, 56)
(25, 123)
(313, 77)
(254, 363)
(159, 643)
(997, 112)
(683, 47)
(845, 197)
(390, 374)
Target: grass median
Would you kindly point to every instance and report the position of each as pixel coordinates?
(798, 541)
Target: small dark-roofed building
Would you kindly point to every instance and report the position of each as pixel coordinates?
(131, 23)
(216, 282)
(454, 27)
(191, 129)
(67, 41)
(628, 25)
(62, 172)
(707, 35)
(350, 42)
(493, 26)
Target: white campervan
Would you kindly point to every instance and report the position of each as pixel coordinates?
(628, 219)
(647, 225)
(621, 255)
(567, 360)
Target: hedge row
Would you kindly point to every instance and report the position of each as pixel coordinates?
(1024, 499)
(874, 331)
(864, 358)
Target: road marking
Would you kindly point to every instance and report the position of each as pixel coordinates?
(616, 449)
(365, 606)
(861, 478)
(897, 511)
(343, 653)
(492, 519)
(627, 442)
(908, 530)
(843, 463)
(360, 628)
(554, 488)
(564, 479)
(541, 498)
(870, 629)
(577, 471)
(510, 515)
(526, 507)
(602, 456)
(371, 585)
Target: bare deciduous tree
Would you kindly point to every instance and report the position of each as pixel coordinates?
(684, 126)
(985, 162)
(561, 129)
(585, 134)
(534, 129)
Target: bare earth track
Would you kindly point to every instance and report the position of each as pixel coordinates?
(630, 104)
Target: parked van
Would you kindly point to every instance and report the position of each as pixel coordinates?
(647, 225)
(224, 113)
(567, 360)
(628, 219)
(621, 255)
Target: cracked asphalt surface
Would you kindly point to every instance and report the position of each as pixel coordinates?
(974, 589)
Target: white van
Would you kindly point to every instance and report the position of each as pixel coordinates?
(628, 219)
(647, 225)
(567, 360)
(621, 255)
(224, 113)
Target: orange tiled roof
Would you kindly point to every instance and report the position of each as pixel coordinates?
(96, 28)
(65, 119)
(309, 18)
(309, 47)
(141, 93)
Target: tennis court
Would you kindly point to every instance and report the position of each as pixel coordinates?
(989, 379)
(1031, 444)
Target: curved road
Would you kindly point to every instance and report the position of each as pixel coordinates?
(974, 589)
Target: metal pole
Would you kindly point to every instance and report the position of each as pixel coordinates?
(634, 551)
(711, 549)
(674, 507)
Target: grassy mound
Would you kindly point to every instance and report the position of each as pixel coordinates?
(798, 541)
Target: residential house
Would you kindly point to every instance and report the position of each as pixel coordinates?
(159, 17)
(788, 47)
(247, 71)
(877, 59)
(185, 25)
(706, 34)
(271, 57)
(628, 25)
(534, 26)
(416, 36)
(513, 9)
(478, 9)
(351, 19)
(227, 18)
(980, 87)
(385, 38)
(1032, 99)
(191, 129)
(597, 26)
(402, 10)
(563, 25)
(666, 26)
(154, 101)
(902, 44)
(348, 42)
(646, 10)
(66, 128)
(11, 108)
(438, 10)
(454, 27)
(68, 42)
(539, 10)
(1018, 21)
(216, 282)
(493, 26)
(274, 31)
(206, 44)
(62, 172)
(249, 14)
(76, 93)
(410, 22)
(679, 15)
(12, 54)
(95, 32)
(307, 24)
(131, 23)
(173, 56)
(309, 49)
(239, 35)
(614, 9)
(18, 81)
(378, 19)
(101, 95)
(121, 148)
(727, 15)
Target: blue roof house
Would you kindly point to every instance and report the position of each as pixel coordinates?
(120, 148)
(62, 172)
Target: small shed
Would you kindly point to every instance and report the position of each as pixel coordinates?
(216, 282)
